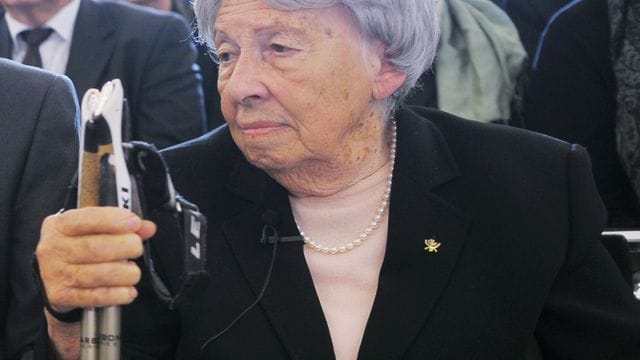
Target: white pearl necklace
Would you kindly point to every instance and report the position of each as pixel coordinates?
(377, 218)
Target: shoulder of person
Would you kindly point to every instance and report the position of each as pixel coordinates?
(459, 130)
(21, 83)
(201, 168)
(29, 76)
(501, 150)
(213, 150)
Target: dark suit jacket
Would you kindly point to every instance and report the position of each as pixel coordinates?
(520, 272)
(38, 155)
(151, 52)
(571, 96)
(530, 18)
(209, 72)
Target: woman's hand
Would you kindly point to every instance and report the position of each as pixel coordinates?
(84, 256)
(84, 260)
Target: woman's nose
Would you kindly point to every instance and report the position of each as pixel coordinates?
(246, 83)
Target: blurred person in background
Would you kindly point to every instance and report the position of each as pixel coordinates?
(479, 64)
(38, 157)
(208, 68)
(574, 94)
(94, 41)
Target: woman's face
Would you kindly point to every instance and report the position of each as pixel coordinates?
(296, 86)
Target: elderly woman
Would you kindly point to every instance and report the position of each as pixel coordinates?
(421, 235)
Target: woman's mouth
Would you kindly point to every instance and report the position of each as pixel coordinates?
(262, 128)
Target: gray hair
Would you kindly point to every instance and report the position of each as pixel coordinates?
(408, 28)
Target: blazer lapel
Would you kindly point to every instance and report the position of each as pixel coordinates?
(412, 278)
(91, 47)
(6, 43)
(290, 301)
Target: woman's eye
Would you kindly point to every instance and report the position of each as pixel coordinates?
(224, 56)
(279, 48)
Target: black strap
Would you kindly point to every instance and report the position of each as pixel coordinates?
(193, 238)
(65, 317)
(157, 193)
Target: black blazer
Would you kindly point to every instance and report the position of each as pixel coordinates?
(38, 155)
(151, 52)
(530, 18)
(520, 272)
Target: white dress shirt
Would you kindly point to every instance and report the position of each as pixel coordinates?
(54, 51)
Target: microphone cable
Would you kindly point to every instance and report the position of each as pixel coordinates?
(257, 300)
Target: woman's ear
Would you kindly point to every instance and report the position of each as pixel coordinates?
(387, 78)
(387, 81)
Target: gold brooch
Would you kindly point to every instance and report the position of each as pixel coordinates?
(432, 245)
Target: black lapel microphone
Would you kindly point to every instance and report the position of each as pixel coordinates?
(270, 234)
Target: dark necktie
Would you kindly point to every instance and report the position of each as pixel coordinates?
(34, 38)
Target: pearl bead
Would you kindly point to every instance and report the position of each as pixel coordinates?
(377, 218)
